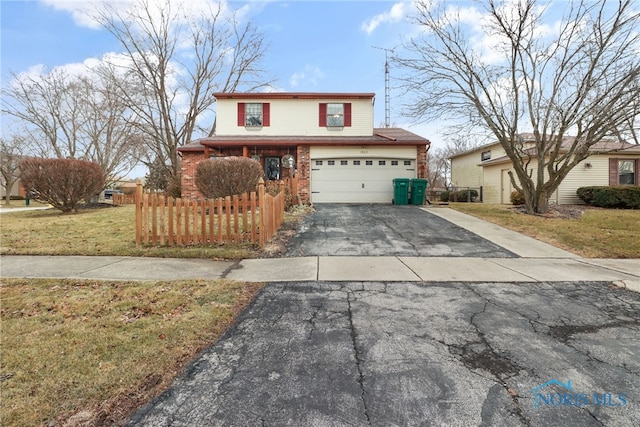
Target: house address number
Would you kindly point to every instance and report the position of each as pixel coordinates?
(364, 151)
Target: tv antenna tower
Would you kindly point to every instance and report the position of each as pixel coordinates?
(387, 91)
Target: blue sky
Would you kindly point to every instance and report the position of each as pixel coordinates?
(314, 46)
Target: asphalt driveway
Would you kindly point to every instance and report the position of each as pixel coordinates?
(382, 353)
(386, 230)
(402, 354)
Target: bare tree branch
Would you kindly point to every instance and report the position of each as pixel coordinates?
(179, 62)
(581, 80)
(76, 117)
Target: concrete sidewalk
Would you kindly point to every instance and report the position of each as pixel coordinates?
(6, 210)
(625, 272)
(517, 243)
(539, 262)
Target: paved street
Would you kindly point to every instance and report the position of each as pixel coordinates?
(395, 354)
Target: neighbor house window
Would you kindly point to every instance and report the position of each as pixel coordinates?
(627, 172)
(624, 171)
(253, 114)
(334, 115)
(486, 155)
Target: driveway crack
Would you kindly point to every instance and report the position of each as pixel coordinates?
(490, 360)
(358, 357)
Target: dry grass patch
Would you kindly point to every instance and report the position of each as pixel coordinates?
(586, 231)
(106, 231)
(87, 352)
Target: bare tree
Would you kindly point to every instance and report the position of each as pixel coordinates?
(179, 60)
(578, 76)
(77, 117)
(439, 163)
(10, 156)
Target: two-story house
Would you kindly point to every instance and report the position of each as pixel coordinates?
(326, 139)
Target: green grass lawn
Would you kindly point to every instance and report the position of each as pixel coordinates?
(597, 233)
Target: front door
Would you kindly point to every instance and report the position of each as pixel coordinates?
(505, 197)
(272, 168)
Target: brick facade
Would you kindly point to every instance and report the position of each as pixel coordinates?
(304, 171)
(423, 162)
(190, 160)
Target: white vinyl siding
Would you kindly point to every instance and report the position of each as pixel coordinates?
(295, 117)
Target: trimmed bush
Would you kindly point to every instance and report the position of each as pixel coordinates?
(585, 194)
(227, 176)
(444, 196)
(466, 196)
(517, 198)
(63, 183)
(625, 197)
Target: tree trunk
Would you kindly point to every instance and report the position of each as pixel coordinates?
(7, 191)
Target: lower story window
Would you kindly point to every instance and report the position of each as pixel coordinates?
(627, 172)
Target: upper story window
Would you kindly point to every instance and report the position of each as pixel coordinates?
(486, 155)
(253, 114)
(335, 115)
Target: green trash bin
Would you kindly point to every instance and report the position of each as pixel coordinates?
(418, 191)
(401, 191)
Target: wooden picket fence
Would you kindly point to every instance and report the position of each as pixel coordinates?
(166, 221)
(124, 199)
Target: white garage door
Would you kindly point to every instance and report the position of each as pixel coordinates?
(359, 175)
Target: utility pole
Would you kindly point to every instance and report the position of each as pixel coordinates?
(387, 90)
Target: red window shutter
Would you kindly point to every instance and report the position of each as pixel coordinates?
(323, 115)
(613, 171)
(240, 113)
(637, 161)
(266, 114)
(347, 114)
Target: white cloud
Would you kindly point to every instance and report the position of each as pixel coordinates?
(83, 12)
(312, 74)
(396, 14)
(86, 69)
